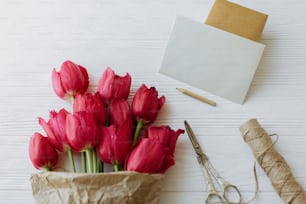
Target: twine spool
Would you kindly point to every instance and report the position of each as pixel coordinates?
(272, 162)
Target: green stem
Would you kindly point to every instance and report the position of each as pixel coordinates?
(94, 161)
(100, 166)
(83, 156)
(71, 160)
(46, 168)
(137, 131)
(71, 99)
(116, 167)
(89, 159)
(121, 167)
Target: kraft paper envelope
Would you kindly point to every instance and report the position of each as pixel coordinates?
(237, 19)
(211, 59)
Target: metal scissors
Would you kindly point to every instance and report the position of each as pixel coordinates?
(213, 196)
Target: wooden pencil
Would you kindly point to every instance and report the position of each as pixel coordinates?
(196, 96)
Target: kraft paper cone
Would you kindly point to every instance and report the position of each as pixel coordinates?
(103, 188)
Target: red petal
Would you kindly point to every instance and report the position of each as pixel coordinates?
(51, 137)
(119, 110)
(121, 87)
(41, 152)
(105, 84)
(105, 147)
(72, 78)
(123, 141)
(57, 84)
(146, 157)
(86, 79)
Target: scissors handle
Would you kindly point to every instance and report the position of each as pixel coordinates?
(212, 195)
(227, 187)
(231, 188)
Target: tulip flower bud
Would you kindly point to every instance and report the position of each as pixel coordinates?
(146, 104)
(72, 79)
(116, 142)
(42, 154)
(55, 129)
(82, 131)
(154, 154)
(119, 111)
(112, 86)
(165, 135)
(91, 103)
(146, 157)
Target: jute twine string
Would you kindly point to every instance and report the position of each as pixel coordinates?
(273, 164)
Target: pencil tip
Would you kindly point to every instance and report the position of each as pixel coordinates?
(179, 89)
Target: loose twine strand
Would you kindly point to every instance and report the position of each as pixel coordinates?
(273, 164)
(244, 202)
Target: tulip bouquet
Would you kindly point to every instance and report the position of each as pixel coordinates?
(104, 128)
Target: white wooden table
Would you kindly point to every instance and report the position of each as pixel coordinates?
(131, 36)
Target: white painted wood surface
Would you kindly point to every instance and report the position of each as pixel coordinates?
(131, 36)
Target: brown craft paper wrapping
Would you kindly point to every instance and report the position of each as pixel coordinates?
(237, 19)
(106, 188)
(273, 163)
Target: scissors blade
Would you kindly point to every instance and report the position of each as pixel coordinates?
(193, 139)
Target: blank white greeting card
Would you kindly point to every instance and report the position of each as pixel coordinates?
(211, 59)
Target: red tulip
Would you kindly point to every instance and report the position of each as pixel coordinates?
(112, 86)
(72, 79)
(42, 154)
(154, 154)
(115, 143)
(119, 111)
(55, 129)
(146, 104)
(90, 103)
(165, 135)
(146, 157)
(82, 131)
